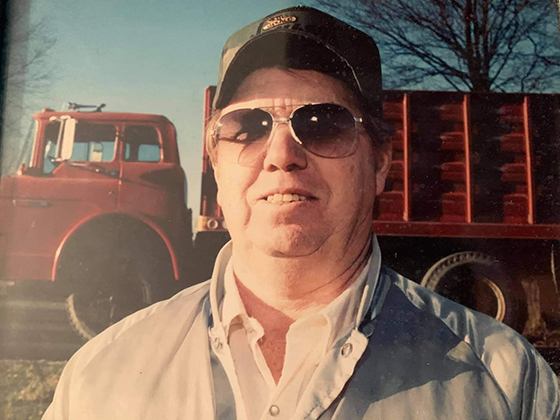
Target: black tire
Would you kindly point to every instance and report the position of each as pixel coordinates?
(112, 290)
(110, 268)
(478, 281)
(207, 246)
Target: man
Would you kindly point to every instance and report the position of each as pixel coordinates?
(300, 320)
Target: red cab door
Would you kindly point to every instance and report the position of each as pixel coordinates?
(53, 198)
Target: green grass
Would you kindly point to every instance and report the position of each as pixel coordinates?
(27, 387)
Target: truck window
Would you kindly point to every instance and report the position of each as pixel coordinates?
(94, 142)
(141, 144)
(50, 141)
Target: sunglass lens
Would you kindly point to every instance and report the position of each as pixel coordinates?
(242, 135)
(327, 130)
(244, 126)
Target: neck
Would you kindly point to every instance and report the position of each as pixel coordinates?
(277, 291)
(296, 286)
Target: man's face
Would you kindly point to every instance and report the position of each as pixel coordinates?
(339, 192)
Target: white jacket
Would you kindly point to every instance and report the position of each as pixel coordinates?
(415, 355)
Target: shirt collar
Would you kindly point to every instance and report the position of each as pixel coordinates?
(232, 307)
(341, 312)
(223, 270)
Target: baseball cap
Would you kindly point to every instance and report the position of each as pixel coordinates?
(302, 37)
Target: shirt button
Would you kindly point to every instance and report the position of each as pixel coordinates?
(217, 344)
(346, 349)
(368, 329)
(274, 410)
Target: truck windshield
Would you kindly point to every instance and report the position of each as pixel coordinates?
(91, 143)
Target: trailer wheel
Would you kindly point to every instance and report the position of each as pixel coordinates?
(478, 281)
(102, 301)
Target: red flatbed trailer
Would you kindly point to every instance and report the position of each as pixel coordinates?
(472, 202)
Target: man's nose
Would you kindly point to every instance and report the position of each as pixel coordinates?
(283, 151)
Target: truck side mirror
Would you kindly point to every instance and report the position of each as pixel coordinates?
(69, 131)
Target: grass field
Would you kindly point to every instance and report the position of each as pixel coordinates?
(27, 387)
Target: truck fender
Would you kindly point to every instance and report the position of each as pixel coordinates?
(138, 217)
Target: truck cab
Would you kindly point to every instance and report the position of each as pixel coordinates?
(101, 189)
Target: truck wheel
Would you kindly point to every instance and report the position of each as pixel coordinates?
(102, 301)
(477, 280)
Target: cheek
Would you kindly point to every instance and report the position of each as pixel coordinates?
(226, 193)
(364, 182)
(230, 202)
(219, 198)
(233, 183)
(220, 183)
(224, 183)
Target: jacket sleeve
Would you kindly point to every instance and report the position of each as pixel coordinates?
(541, 400)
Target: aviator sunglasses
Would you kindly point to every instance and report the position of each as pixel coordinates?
(326, 130)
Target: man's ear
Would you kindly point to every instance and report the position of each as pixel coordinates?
(215, 170)
(383, 156)
(217, 179)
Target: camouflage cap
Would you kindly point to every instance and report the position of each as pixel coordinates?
(303, 38)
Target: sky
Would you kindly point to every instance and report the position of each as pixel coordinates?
(145, 56)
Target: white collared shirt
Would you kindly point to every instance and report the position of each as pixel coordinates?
(413, 354)
(257, 395)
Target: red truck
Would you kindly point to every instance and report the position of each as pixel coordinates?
(472, 203)
(99, 210)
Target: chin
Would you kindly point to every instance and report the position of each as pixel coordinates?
(290, 241)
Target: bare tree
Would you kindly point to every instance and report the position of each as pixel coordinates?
(28, 75)
(29, 46)
(477, 45)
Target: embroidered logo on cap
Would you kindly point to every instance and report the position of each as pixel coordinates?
(278, 20)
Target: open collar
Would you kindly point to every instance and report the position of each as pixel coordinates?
(370, 303)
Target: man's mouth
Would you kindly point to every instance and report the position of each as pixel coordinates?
(285, 198)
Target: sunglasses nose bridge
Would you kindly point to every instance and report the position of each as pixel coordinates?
(288, 122)
(283, 149)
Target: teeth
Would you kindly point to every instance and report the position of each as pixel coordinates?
(285, 198)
